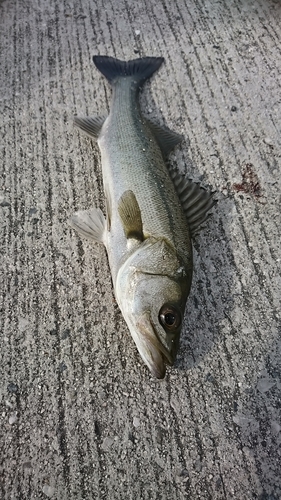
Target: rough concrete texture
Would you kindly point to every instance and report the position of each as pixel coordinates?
(81, 417)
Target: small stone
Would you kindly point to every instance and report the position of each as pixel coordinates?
(136, 422)
(265, 384)
(275, 427)
(137, 32)
(13, 418)
(48, 490)
(198, 466)
(23, 323)
(107, 443)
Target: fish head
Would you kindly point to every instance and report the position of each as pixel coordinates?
(152, 289)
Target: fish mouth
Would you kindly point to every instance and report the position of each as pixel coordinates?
(155, 355)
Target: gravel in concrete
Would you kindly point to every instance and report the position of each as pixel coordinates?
(81, 417)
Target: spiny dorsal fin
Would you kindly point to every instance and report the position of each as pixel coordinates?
(196, 200)
(166, 138)
(90, 125)
(130, 215)
(89, 223)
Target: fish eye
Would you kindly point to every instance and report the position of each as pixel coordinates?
(170, 317)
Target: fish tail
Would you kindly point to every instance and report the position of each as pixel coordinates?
(140, 69)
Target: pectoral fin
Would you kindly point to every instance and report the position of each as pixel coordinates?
(91, 125)
(89, 223)
(130, 215)
(196, 200)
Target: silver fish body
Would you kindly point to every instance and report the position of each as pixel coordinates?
(146, 234)
(132, 160)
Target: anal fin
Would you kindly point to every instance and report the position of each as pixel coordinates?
(195, 200)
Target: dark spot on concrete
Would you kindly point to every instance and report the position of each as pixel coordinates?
(65, 334)
(32, 211)
(97, 429)
(62, 367)
(250, 183)
(5, 204)
(184, 473)
(209, 378)
(27, 465)
(131, 437)
(12, 388)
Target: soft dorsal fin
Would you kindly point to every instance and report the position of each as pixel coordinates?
(166, 138)
(90, 125)
(196, 200)
(130, 215)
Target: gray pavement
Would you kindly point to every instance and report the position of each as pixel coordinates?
(81, 417)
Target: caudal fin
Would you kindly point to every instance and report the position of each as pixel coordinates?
(140, 69)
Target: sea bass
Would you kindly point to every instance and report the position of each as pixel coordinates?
(151, 213)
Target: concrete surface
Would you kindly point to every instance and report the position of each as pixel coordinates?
(81, 417)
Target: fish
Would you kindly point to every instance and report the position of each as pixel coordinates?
(152, 212)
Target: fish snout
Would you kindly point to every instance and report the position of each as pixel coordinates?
(155, 361)
(158, 369)
(155, 355)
